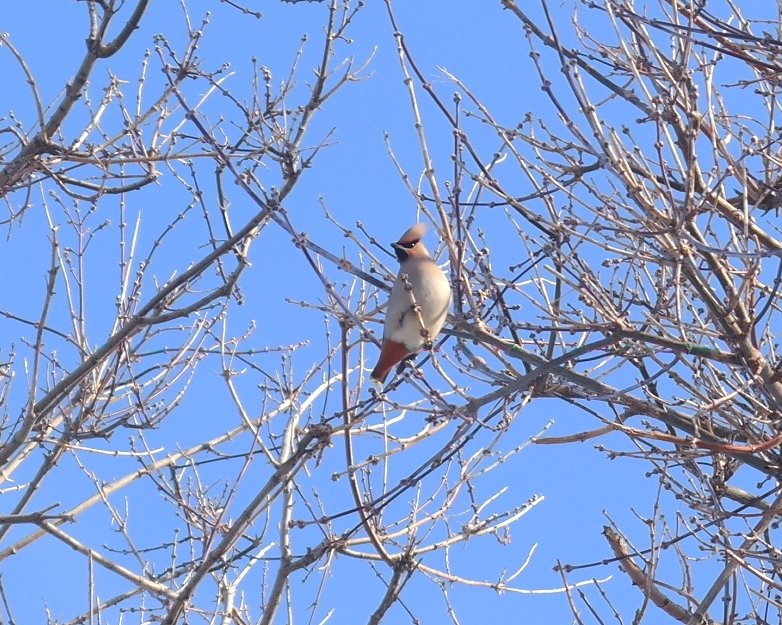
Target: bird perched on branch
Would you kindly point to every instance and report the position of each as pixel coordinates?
(418, 304)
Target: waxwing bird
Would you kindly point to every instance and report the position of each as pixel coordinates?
(417, 306)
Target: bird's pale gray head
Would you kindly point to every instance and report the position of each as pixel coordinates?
(410, 245)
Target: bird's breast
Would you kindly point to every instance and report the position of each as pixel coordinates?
(420, 295)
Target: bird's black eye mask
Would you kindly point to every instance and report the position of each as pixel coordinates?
(401, 249)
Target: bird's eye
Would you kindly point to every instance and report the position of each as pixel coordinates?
(409, 246)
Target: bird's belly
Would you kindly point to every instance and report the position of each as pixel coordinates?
(409, 331)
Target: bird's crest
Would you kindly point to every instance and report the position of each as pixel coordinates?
(413, 234)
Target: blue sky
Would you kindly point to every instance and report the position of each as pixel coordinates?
(356, 180)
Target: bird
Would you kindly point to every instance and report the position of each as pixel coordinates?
(418, 304)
